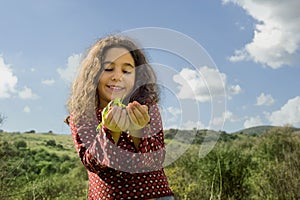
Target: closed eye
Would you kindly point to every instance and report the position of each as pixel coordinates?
(127, 72)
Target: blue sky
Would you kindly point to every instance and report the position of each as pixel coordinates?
(254, 47)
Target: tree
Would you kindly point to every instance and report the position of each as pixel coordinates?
(20, 144)
(51, 143)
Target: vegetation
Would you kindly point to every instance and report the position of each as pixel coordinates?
(240, 166)
(40, 166)
(257, 130)
(264, 166)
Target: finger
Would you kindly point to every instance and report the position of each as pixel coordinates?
(123, 119)
(108, 117)
(138, 115)
(142, 108)
(142, 114)
(108, 120)
(126, 119)
(117, 116)
(146, 114)
(131, 115)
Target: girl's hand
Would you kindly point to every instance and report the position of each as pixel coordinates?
(138, 115)
(116, 119)
(134, 117)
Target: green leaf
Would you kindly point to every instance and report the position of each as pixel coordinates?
(116, 102)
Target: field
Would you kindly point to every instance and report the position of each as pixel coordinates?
(262, 165)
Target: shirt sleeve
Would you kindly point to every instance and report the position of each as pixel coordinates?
(88, 143)
(97, 150)
(152, 146)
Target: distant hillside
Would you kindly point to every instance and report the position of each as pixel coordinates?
(54, 143)
(257, 130)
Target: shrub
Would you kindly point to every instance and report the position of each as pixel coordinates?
(20, 144)
(51, 143)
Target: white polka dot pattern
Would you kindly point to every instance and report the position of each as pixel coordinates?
(121, 171)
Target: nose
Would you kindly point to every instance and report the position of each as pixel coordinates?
(117, 76)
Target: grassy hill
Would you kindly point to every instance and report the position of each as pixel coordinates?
(40, 166)
(261, 163)
(54, 143)
(258, 130)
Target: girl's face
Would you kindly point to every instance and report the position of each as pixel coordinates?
(118, 76)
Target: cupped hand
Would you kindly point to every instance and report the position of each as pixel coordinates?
(117, 119)
(134, 117)
(138, 115)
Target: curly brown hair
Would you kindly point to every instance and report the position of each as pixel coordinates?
(84, 96)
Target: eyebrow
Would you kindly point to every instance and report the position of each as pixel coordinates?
(124, 64)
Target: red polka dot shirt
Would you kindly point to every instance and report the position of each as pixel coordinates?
(122, 171)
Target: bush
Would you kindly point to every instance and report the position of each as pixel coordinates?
(20, 144)
(277, 175)
(51, 143)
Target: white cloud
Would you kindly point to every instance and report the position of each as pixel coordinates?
(229, 116)
(287, 114)
(276, 38)
(68, 74)
(172, 118)
(174, 111)
(203, 85)
(234, 89)
(189, 81)
(170, 115)
(26, 109)
(27, 93)
(8, 80)
(253, 121)
(189, 124)
(48, 82)
(226, 116)
(264, 100)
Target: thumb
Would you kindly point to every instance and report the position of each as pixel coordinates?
(145, 107)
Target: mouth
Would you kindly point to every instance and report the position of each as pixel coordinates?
(115, 88)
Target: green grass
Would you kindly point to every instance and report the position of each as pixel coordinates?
(36, 141)
(240, 166)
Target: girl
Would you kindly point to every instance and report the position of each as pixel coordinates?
(124, 157)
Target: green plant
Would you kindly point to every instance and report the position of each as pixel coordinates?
(115, 102)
